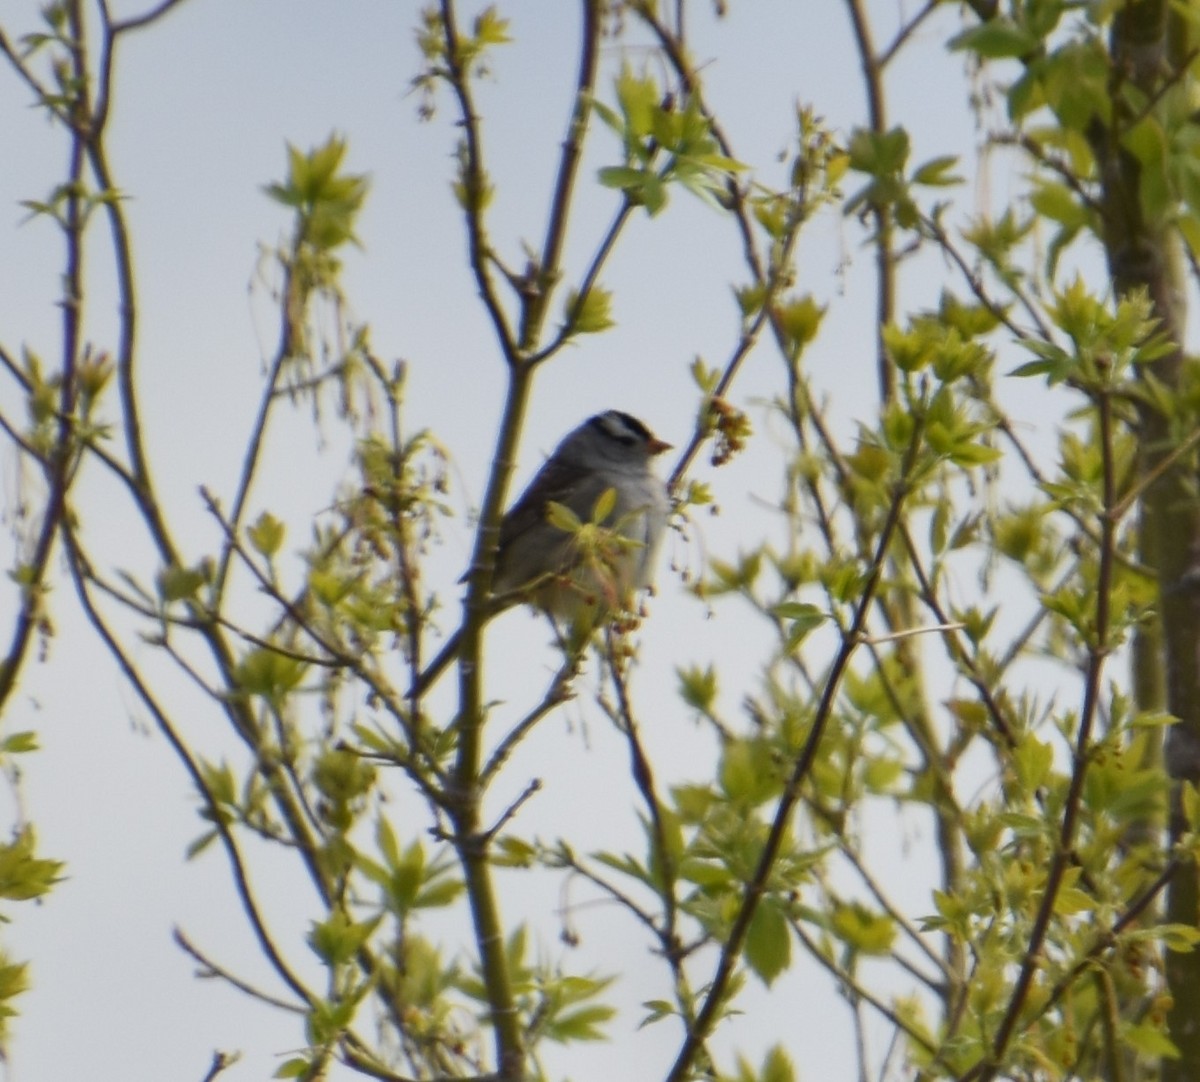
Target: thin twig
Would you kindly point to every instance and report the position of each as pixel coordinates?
(975, 283)
(474, 182)
(209, 968)
(883, 239)
(215, 812)
(15, 370)
(45, 98)
(756, 887)
(565, 858)
(221, 1061)
(556, 694)
(912, 632)
(532, 789)
(1000, 720)
(643, 777)
(1097, 655)
(1160, 467)
(860, 990)
(905, 32)
(137, 22)
(549, 271)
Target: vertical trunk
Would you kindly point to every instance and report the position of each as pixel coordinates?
(1143, 254)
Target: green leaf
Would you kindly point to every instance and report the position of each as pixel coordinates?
(408, 871)
(591, 313)
(639, 97)
(266, 535)
(1058, 203)
(1033, 760)
(562, 517)
(580, 1025)
(652, 194)
(342, 775)
(798, 610)
(777, 1067)
(865, 931)
(801, 619)
(178, 583)
(200, 844)
(910, 350)
(604, 506)
(622, 177)
(329, 588)
(936, 173)
(748, 771)
(1147, 1039)
(19, 743)
(881, 775)
(1189, 227)
(326, 201)
(996, 39)
(692, 802)
(1071, 900)
(385, 838)
(698, 687)
(609, 115)
(1149, 143)
(512, 852)
(490, 28)
(750, 300)
(439, 895)
(1181, 938)
(338, 939)
(1190, 796)
(799, 320)
(23, 875)
(268, 673)
(14, 981)
(768, 947)
(879, 154)
(657, 1009)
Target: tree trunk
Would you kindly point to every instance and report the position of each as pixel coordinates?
(1144, 254)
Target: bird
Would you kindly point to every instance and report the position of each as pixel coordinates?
(552, 553)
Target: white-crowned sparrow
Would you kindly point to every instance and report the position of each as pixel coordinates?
(585, 572)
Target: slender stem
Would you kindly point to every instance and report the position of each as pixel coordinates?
(41, 93)
(215, 813)
(565, 858)
(535, 309)
(1098, 653)
(756, 887)
(57, 465)
(291, 314)
(474, 185)
(220, 1062)
(643, 777)
(882, 243)
(905, 32)
(212, 969)
(555, 696)
(960, 655)
(465, 793)
(592, 275)
(137, 22)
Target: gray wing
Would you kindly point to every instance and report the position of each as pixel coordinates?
(551, 483)
(529, 545)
